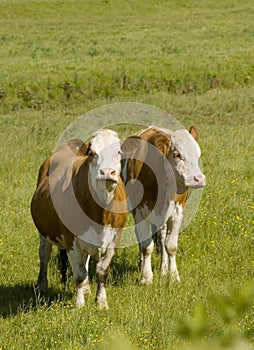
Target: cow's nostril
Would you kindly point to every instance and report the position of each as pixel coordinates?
(199, 178)
(107, 173)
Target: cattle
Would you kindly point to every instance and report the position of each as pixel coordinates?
(80, 205)
(160, 168)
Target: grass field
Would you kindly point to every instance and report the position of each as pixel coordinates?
(61, 59)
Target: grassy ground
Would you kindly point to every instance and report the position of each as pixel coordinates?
(60, 59)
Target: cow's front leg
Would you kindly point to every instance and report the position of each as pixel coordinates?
(173, 227)
(146, 249)
(102, 270)
(45, 249)
(159, 236)
(79, 263)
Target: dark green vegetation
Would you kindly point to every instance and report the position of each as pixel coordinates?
(60, 59)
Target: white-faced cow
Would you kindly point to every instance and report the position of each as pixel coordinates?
(80, 205)
(160, 169)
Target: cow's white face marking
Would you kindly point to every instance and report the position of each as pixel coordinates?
(184, 157)
(105, 167)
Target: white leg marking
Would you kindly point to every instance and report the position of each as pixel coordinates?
(173, 226)
(102, 270)
(144, 237)
(45, 249)
(86, 288)
(146, 269)
(78, 261)
(164, 255)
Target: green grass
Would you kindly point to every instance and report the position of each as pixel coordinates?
(60, 59)
(78, 50)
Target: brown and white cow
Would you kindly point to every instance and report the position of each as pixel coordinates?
(80, 205)
(159, 170)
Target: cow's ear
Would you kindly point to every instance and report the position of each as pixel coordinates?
(83, 149)
(194, 132)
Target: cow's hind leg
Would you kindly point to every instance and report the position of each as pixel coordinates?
(146, 249)
(164, 255)
(45, 249)
(159, 236)
(146, 244)
(63, 264)
(173, 227)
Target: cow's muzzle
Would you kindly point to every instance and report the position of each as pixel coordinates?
(198, 181)
(107, 174)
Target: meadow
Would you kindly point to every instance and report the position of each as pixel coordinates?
(61, 59)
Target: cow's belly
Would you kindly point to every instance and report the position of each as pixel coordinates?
(58, 241)
(94, 240)
(155, 216)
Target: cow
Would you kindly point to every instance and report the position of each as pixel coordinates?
(160, 168)
(80, 206)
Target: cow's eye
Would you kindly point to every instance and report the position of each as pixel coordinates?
(93, 154)
(176, 155)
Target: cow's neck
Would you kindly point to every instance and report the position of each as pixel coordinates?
(86, 193)
(100, 191)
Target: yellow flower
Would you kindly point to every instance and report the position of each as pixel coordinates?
(234, 181)
(212, 243)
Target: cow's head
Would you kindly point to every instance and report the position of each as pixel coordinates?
(184, 156)
(104, 151)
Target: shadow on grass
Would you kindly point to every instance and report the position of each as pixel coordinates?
(120, 269)
(23, 298)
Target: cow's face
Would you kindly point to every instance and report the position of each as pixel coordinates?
(184, 156)
(105, 165)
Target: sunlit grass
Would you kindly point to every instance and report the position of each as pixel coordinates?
(61, 59)
(49, 56)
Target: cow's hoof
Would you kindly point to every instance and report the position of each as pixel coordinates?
(41, 290)
(87, 290)
(80, 301)
(146, 281)
(79, 305)
(102, 304)
(175, 277)
(164, 272)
